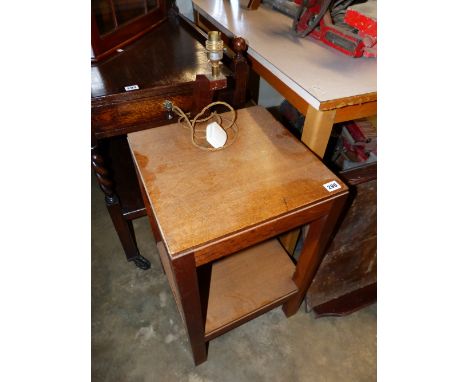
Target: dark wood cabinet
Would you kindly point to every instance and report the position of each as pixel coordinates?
(116, 23)
(347, 277)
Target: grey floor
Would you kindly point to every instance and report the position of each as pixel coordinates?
(137, 334)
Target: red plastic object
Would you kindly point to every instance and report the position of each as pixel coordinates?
(363, 43)
(367, 27)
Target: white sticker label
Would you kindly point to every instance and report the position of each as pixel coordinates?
(331, 186)
(131, 87)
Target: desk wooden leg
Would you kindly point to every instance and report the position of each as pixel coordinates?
(317, 129)
(123, 227)
(289, 240)
(315, 134)
(186, 280)
(312, 253)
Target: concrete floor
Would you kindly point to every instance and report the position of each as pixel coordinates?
(138, 335)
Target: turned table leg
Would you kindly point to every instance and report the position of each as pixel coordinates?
(123, 226)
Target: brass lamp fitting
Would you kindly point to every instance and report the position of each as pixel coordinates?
(214, 51)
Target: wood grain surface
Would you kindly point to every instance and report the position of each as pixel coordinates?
(200, 196)
(350, 262)
(166, 263)
(142, 63)
(246, 281)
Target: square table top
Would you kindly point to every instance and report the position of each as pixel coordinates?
(199, 196)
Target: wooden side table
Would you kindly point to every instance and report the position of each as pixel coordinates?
(216, 215)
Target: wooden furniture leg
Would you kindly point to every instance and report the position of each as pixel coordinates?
(289, 240)
(311, 256)
(186, 279)
(317, 129)
(315, 134)
(253, 4)
(123, 226)
(318, 124)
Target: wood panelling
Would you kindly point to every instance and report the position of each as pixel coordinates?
(350, 262)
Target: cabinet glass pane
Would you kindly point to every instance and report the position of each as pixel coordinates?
(127, 10)
(153, 4)
(103, 13)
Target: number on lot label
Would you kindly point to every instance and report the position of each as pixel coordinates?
(131, 87)
(331, 186)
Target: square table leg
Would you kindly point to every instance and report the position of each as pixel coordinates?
(186, 279)
(310, 258)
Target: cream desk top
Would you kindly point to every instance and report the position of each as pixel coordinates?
(315, 72)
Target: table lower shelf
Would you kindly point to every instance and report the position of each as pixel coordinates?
(242, 285)
(246, 284)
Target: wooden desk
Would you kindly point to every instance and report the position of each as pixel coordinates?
(323, 84)
(168, 63)
(205, 206)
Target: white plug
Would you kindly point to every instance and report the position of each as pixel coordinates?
(215, 135)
